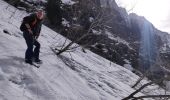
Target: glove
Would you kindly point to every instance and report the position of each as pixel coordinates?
(36, 37)
(30, 32)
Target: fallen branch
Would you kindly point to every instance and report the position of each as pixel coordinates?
(137, 91)
(152, 96)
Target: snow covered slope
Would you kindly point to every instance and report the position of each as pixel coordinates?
(71, 76)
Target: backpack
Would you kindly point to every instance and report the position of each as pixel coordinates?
(22, 27)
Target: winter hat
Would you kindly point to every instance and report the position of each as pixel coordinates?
(40, 14)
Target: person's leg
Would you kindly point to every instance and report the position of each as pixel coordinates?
(29, 51)
(37, 50)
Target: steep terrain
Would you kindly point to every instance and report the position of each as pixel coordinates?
(70, 76)
(116, 35)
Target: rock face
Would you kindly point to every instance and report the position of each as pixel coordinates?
(114, 34)
(155, 55)
(128, 39)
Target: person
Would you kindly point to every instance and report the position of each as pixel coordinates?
(31, 27)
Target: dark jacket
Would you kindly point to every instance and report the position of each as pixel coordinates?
(34, 23)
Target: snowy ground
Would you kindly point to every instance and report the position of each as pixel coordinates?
(71, 76)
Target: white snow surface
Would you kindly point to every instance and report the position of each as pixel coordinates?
(69, 2)
(70, 76)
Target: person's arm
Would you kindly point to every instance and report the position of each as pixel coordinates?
(29, 28)
(38, 30)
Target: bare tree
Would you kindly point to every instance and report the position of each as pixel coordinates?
(148, 73)
(132, 95)
(97, 22)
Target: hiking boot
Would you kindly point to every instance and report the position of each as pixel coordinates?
(38, 61)
(28, 61)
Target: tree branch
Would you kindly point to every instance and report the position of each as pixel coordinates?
(152, 96)
(138, 90)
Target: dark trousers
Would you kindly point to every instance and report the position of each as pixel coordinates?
(31, 42)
